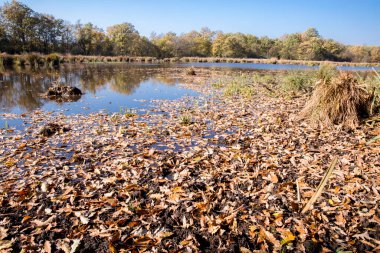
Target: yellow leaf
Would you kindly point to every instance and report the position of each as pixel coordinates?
(144, 240)
(111, 248)
(26, 218)
(166, 234)
(177, 189)
(184, 242)
(289, 237)
(10, 162)
(6, 244)
(197, 159)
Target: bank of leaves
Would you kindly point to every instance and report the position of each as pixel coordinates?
(234, 180)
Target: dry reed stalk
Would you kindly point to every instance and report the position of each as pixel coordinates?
(320, 187)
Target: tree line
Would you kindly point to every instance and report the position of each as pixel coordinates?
(23, 30)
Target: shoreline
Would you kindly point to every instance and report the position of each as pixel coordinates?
(53, 59)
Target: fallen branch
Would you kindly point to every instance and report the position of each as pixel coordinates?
(320, 186)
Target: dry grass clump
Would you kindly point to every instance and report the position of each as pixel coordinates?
(338, 101)
(191, 72)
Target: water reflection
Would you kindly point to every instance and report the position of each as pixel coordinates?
(21, 89)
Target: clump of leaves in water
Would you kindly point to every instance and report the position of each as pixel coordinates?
(6, 126)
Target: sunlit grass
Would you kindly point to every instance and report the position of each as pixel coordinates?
(240, 86)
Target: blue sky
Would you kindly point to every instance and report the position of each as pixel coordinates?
(348, 21)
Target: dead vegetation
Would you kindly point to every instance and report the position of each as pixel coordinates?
(191, 72)
(63, 91)
(339, 101)
(53, 128)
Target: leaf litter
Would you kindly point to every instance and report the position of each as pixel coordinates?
(234, 179)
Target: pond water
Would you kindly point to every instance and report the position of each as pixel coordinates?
(265, 66)
(106, 87)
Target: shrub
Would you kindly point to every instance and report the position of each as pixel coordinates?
(34, 59)
(53, 59)
(6, 59)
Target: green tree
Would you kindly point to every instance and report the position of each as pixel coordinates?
(290, 45)
(123, 36)
(3, 39)
(89, 39)
(333, 50)
(20, 23)
(49, 33)
(265, 45)
(310, 33)
(311, 49)
(168, 44)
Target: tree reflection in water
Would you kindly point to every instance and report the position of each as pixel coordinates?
(22, 87)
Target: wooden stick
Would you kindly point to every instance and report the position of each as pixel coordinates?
(320, 186)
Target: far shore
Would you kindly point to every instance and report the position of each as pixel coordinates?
(56, 59)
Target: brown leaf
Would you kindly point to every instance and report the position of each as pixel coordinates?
(47, 247)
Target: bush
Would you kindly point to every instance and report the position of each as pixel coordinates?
(20, 60)
(53, 59)
(34, 59)
(6, 59)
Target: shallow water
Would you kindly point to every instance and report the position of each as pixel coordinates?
(106, 87)
(265, 66)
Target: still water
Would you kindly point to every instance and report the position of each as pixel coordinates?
(106, 87)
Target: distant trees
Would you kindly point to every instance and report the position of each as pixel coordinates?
(24, 30)
(123, 36)
(19, 22)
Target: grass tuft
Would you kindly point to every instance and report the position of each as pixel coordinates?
(298, 81)
(339, 101)
(186, 119)
(240, 86)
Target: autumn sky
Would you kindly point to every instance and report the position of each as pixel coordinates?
(348, 21)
